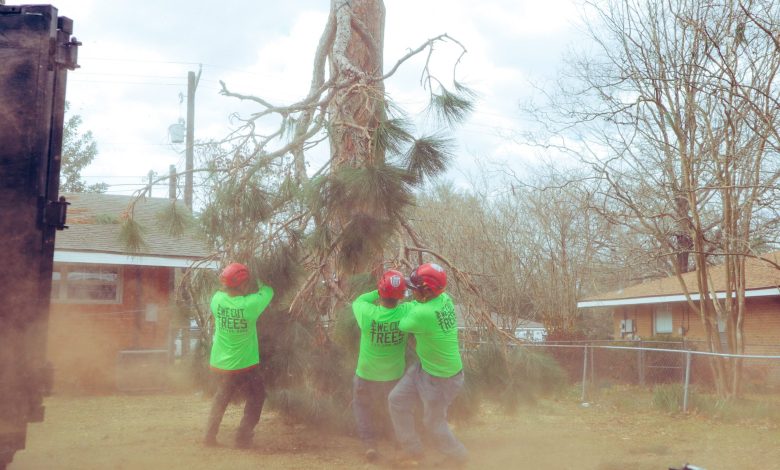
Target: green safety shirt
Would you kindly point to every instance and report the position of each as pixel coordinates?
(435, 329)
(235, 345)
(382, 343)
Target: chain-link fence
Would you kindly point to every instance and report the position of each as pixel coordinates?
(599, 365)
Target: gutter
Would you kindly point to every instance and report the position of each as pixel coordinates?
(766, 292)
(131, 260)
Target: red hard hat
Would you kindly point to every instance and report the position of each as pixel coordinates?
(234, 275)
(391, 285)
(428, 276)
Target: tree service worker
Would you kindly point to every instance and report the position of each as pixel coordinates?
(381, 361)
(438, 378)
(235, 352)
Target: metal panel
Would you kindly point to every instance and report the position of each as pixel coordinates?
(35, 52)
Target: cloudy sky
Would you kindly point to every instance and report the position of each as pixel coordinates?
(136, 54)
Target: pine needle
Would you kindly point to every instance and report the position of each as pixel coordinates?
(429, 157)
(362, 240)
(174, 219)
(131, 235)
(452, 108)
(393, 136)
(377, 189)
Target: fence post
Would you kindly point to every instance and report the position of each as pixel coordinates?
(641, 365)
(185, 341)
(584, 373)
(592, 367)
(687, 380)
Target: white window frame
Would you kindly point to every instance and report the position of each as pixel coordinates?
(60, 281)
(663, 313)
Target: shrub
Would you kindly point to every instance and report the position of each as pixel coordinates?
(668, 397)
(510, 375)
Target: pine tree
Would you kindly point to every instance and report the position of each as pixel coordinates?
(321, 237)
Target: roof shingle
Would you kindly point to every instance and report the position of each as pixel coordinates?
(759, 275)
(90, 214)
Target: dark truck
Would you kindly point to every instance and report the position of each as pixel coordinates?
(36, 51)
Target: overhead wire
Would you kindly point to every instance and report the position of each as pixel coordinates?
(468, 127)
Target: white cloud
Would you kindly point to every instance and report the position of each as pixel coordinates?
(267, 49)
(526, 19)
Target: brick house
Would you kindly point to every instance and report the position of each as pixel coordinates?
(111, 309)
(659, 307)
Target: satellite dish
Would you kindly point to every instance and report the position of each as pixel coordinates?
(176, 132)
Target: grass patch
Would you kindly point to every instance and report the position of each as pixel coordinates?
(668, 398)
(624, 398)
(750, 409)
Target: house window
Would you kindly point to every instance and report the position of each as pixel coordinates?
(662, 320)
(86, 284)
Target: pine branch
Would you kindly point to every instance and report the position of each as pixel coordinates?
(452, 108)
(131, 235)
(428, 157)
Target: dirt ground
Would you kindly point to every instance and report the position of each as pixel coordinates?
(163, 431)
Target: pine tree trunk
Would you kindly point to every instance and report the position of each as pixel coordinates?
(358, 107)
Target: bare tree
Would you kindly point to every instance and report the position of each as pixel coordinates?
(473, 232)
(533, 245)
(677, 113)
(564, 243)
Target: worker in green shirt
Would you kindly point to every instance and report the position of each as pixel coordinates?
(235, 352)
(438, 378)
(381, 360)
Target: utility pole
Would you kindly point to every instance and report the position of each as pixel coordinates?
(151, 181)
(172, 182)
(192, 85)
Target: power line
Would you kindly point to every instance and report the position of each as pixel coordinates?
(175, 77)
(112, 74)
(137, 144)
(125, 82)
(114, 176)
(210, 66)
(110, 59)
